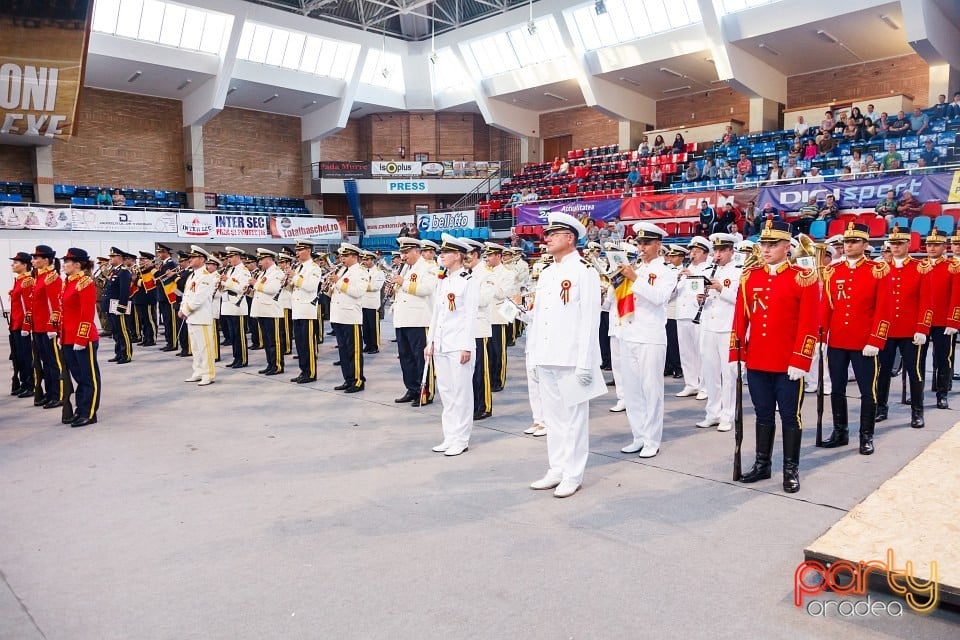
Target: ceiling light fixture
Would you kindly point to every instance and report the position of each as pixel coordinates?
(890, 22)
(768, 48)
(184, 84)
(433, 36)
(600, 7)
(309, 104)
(136, 74)
(635, 83)
(555, 96)
(271, 98)
(827, 36)
(531, 25)
(673, 73)
(675, 89)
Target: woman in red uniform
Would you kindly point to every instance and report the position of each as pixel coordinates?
(79, 335)
(44, 320)
(20, 301)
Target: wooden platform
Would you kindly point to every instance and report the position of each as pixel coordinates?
(916, 514)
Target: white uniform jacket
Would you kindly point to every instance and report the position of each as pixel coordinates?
(347, 293)
(304, 282)
(687, 304)
(718, 309)
(371, 297)
(197, 303)
(233, 286)
(486, 286)
(651, 294)
(414, 296)
(505, 281)
(267, 286)
(454, 314)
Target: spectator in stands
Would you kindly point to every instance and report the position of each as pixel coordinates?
(846, 174)
(564, 168)
(795, 152)
(656, 177)
(929, 155)
(744, 166)
(592, 232)
(869, 129)
(659, 146)
(707, 219)
(555, 167)
(118, 199)
(806, 215)
(810, 150)
(858, 121)
(729, 138)
(919, 122)
(900, 126)
(692, 174)
(825, 145)
(414, 232)
(727, 220)
(404, 231)
(881, 127)
(517, 197)
(892, 160)
(851, 132)
(888, 207)
(581, 173)
(103, 199)
(520, 243)
(679, 146)
(953, 110)
(871, 113)
(750, 219)
(871, 168)
(605, 233)
(774, 174)
(792, 172)
(644, 149)
(709, 170)
(828, 123)
(801, 127)
(829, 209)
(530, 195)
(856, 163)
(769, 212)
(908, 207)
(618, 229)
(920, 169)
(633, 178)
(814, 176)
(725, 171)
(939, 110)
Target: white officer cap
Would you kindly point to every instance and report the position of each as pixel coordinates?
(233, 251)
(745, 245)
(611, 246)
(594, 245)
(559, 221)
(214, 260)
(722, 240)
(677, 250)
(626, 247)
(648, 231)
(265, 253)
(348, 249)
(493, 247)
(198, 252)
(699, 241)
(429, 244)
(451, 243)
(475, 245)
(835, 240)
(408, 243)
(368, 254)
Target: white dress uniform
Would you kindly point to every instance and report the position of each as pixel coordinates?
(270, 314)
(643, 351)
(304, 281)
(688, 334)
(482, 279)
(197, 306)
(563, 342)
(346, 315)
(234, 314)
(613, 331)
(505, 280)
(451, 333)
(716, 322)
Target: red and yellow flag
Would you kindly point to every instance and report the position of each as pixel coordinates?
(149, 283)
(623, 290)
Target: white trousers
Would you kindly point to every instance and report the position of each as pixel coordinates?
(719, 375)
(688, 338)
(455, 386)
(810, 377)
(203, 348)
(615, 365)
(642, 366)
(533, 392)
(568, 428)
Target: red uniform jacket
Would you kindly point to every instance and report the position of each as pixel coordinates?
(775, 320)
(79, 307)
(855, 311)
(944, 292)
(20, 301)
(912, 310)
(46, 301)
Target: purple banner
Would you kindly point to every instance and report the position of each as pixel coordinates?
(853, 194)
(597, 209)
(940, 186)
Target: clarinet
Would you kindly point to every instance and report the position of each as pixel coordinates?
(713, 271)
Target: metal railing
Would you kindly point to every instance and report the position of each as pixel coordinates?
(482, 191)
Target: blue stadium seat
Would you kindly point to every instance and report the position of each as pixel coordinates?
(921, 225)
(944, 223)
(818, 229)
(901, 222)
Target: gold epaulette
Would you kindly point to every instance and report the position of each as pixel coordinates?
(880, 269)
(806, 277)
(924, 266)
(52, 277)
(83, 282)
(954, 267)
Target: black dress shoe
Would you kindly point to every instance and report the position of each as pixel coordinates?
(15, 391)
(82, 422)
(341, 387)
(483, 415)
(169, 347)
(254, 347)
(372, 351)
(496, 389)
(25, 393)
(239, 365)
(407, 397)
(149, 344)
(39, 402)
(306, 380)
(53, 404)
(264, 370)
(353, 389)
(677, 375)
(123, 360)
(416, 402)
(113, 359)
(274, 372)
(337, 363)
(68, 419)
(297, 379)
(183, 355)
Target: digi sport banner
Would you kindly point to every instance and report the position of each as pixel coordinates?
(42, 51)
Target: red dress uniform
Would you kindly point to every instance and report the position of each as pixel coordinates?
(46, 301)
(21, 299)
(79, 309)
(912, 308)
(780, 311)
(944, 292)
(855, 309)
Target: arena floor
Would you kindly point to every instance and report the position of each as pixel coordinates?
(256, 508)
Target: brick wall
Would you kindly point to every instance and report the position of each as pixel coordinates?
(348, 144)
(16, 163)
(709, 106)
(123, 140)
(908, 74)
(253, 153)
(588, 127)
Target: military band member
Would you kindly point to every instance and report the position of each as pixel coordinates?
(346, 315)
(233, 306)
(566, 318)
(166, 276)
(716, 319)
(506, 287)
(213, 265)
(133, 318)
(538, 428)
(428, 250)
(775, 333)
(945, 299)
(482, 278)
(304, 280)
(267, 310)
(117, 294)
(20, 305)
(253, 268)
(183, 335)
(144, 298)
(285, 262)
(412, 310)
(322, 261)
(856, 319)
(910, 320)
(79, 336)
(43, 321)
(688, 333)
(452, 345)
(674, 258)
(371, 303)
(196, 310)
(609, 306)
(642, 320)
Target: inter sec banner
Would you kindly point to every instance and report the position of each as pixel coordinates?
(285, 227)
(42, 51)
(217, 225)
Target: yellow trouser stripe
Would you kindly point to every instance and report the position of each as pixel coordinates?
(277, 346)
(312, 346)
(356, 354)
(487, 387)
(243, 339)
(96, 383)
(376, 324)
(799, 404)
(873, 382)
(56, 359)
(208, 341)
(126, 334)
(503, 354)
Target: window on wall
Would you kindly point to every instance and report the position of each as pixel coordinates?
(163, 23)
(627, 20)
(383, 69)
(732, 6)
(517, 48)
(296, 51)
(448, 73)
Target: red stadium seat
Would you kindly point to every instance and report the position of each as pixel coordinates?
(878, 226)
(914, 242)
(836, 226)
(931, 208)
(672, 228)
(686, 229)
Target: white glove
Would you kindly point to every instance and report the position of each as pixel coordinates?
(870, 351)
(950, 331)
(534, 375)
(585, 376)
(919, 339)
(795, 373)
(79, 347)
(25, 334)
(51, 334)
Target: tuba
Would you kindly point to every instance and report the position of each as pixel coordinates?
(755, 259)
(809, 254)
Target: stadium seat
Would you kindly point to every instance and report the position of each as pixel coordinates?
(672, 229)
(901, 222)
(914, 242)
(686, 229)
(878, 226)
(921, 224)
(931, 208)
(818, 229)
(944, 223)
(836, 227)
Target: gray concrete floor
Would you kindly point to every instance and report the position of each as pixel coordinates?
(255, 508)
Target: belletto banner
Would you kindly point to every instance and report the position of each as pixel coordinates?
(285, 227)
(42, 51)
(211, 225)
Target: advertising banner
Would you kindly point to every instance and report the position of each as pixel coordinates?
(345, 170)
(852, 194)
(122, 221)
(212, 226)
(446, 221)
(387, 226)
(319, 229)
(391, 168)
(39, 218)
(42, 53)
(597, 209)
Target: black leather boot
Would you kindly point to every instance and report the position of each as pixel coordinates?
(916, 404)
(791, 460)
(761, 468)
(881, 413)
(840, 436)
(942, 388)
(883, 393)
